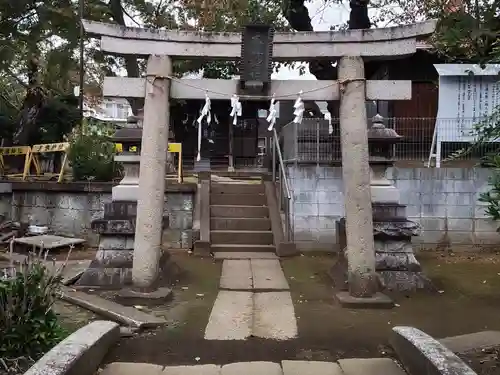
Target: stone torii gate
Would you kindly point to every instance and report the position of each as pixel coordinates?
(352, 89)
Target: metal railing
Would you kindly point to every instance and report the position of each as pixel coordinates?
(285, 196)
(311, 141)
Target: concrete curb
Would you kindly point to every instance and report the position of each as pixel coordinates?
(79, 354)
(421, 354)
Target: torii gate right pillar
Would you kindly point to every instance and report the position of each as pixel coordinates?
(362, 278)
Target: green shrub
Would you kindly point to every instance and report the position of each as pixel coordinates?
(28, 325)
(91, 156)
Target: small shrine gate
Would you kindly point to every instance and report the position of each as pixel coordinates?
(350, 48)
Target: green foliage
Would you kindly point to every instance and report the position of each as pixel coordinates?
(91, 154)
(28, 324)
(492, 197)
(56, 119)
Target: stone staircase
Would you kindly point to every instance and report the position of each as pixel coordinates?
(240, 227)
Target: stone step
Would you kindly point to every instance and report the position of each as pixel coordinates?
(375, 366)
(241, 237)
(220, 188)
(244, 255)
(239, 211)
(240, 223)
(242, 248)
(238, 199)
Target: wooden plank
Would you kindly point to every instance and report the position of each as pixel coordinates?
(283, 90)
(281, 51)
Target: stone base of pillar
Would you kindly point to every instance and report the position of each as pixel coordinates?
(377, 300)
(112, 267)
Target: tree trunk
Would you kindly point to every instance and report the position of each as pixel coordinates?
(298, 17)
(33, 102)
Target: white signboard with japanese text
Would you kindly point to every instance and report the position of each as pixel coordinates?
(467, 95)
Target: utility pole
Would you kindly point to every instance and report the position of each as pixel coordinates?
(81, 5)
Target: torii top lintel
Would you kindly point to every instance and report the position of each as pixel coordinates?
(382, 43)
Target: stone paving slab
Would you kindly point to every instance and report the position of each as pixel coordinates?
(192, 370)
(252, 368)
(48, 241)
(231, 316)
(472, 341)
(370, 366)
(310, 367)
(112, 310)
(236, 275)
(268, 275)
(126, 368)
(244, 255)
(274, 316)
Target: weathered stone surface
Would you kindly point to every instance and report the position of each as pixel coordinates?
(396, 262)
(267, 275)
(81, 352)
(118, 226)
(370, 366)
(252, 368)
(125, 368)
(393, 246)
(396, 229)
(231, 316)
(405, 281)
(421, 354)
(236, 275)
(192, 370)
(274, 316)
(377, 300)
(123, 314)
(48, 242)
(120, 210)
(310, 367)
(472, 341)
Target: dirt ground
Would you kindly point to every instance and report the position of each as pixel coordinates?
(468, 301)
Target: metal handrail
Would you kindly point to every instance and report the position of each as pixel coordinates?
(283, 182)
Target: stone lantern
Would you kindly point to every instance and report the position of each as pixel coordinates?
(112, 267)
(395, 260)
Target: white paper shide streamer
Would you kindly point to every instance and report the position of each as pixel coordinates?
(298, 109)
(271, 118)
(205, 113)
(235, 108)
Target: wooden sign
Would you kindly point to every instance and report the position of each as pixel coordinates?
(256, 58)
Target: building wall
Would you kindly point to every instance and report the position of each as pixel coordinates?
(70, 213)
(444, 201)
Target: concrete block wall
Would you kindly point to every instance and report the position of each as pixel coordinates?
(70, 213)
(444, 201)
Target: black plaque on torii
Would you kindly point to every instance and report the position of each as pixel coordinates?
(256, 63)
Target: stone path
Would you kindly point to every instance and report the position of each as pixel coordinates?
(376, 366)
(254, 301)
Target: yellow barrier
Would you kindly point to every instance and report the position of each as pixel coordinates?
(175, 148)
(46, 148)
(17, 151)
